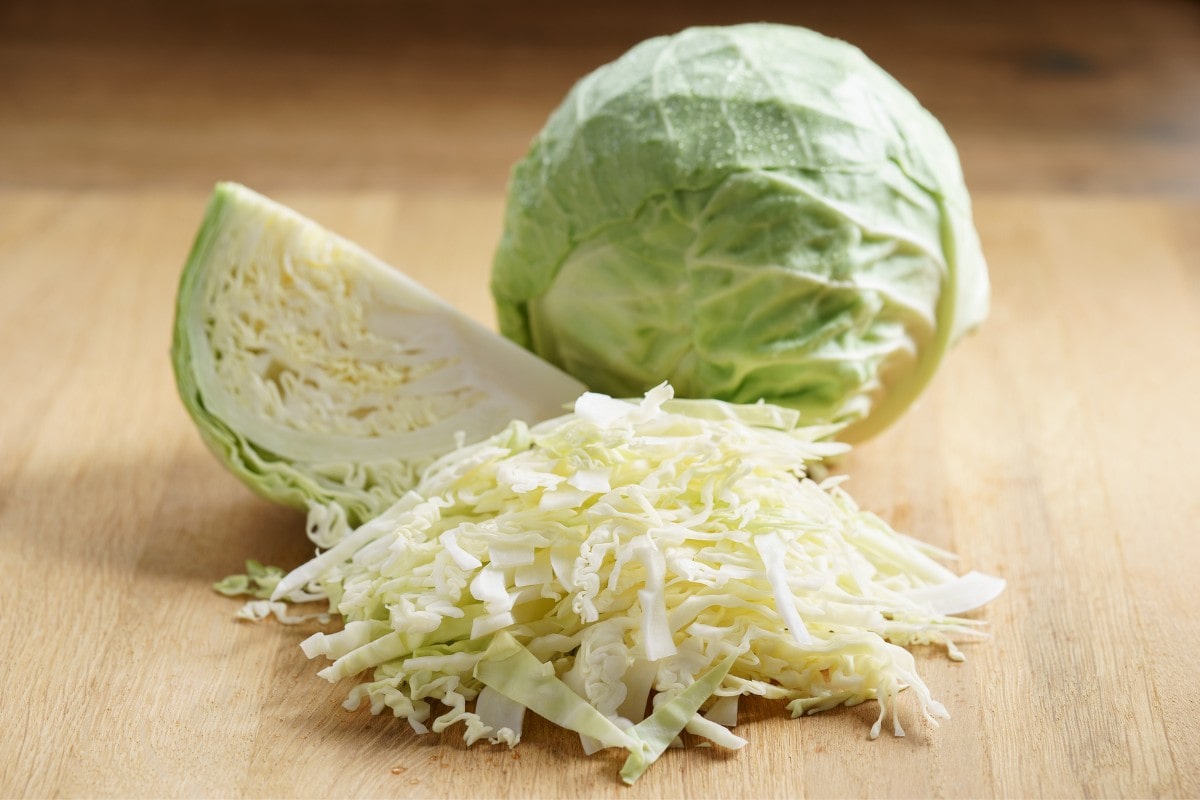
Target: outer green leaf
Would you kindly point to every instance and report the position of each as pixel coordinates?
(658, 730)
(517, 674)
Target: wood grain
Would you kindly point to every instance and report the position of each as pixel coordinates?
(1057, 448)
(1077, 95)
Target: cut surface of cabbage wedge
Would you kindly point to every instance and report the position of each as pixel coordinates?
(318, 373)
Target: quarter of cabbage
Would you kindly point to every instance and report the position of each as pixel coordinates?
(319, 374)
(750, 212)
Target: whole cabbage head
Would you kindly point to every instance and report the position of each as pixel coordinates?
(749, 212)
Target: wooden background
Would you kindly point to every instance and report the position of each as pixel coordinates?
(1058, 447)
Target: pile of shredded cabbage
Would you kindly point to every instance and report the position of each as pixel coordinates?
(662, 556)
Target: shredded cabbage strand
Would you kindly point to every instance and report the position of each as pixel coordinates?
(661, 554)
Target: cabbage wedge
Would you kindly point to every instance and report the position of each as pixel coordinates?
(317, 373)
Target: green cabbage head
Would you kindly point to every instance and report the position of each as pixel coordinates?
(749, 212)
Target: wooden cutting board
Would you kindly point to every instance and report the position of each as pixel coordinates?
(1057, 447)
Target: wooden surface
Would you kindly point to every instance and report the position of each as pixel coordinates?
(1083, 95)
(1057, 447)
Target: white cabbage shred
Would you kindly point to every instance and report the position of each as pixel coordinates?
(657, 554)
